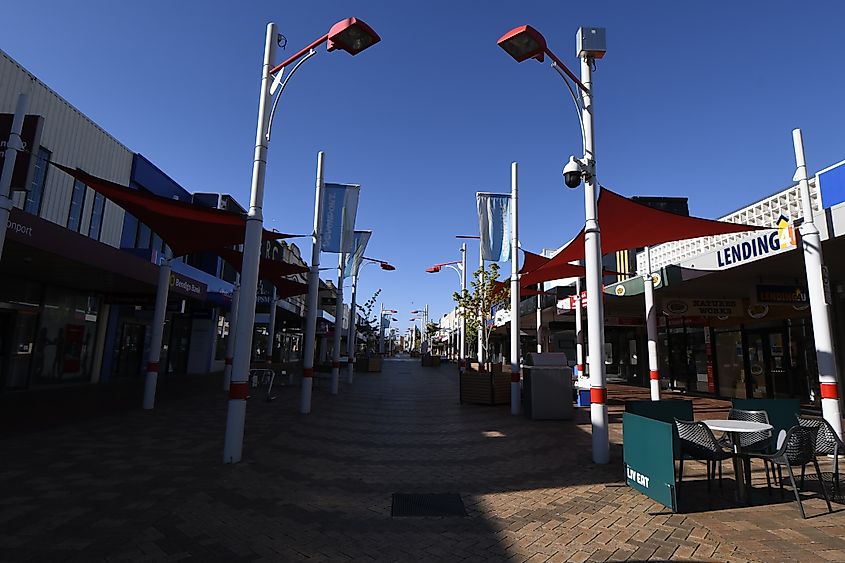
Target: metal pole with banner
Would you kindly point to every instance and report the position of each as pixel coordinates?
(514, 224)
(651, 328)
(313, 296)
(162, 291)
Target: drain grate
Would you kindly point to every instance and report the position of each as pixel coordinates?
(427, 504)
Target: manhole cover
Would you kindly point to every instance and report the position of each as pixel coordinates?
(427, 504)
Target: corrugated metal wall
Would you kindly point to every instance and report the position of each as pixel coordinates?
(75, 141)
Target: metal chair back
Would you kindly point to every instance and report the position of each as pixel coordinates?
(752, 439)
(697, 440)
(799, 446)
(827, 442)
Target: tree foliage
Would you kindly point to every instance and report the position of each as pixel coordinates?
(370, 326)
(475, 305)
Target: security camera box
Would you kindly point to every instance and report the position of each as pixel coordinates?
(591, 42)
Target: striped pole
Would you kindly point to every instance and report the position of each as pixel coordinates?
(651, 328)
(515, 373)
(162, 292)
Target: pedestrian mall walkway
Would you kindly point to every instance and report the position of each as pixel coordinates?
(150, 486)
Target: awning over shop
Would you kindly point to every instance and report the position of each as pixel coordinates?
(185, 227)
(627, 224)
(273, 271)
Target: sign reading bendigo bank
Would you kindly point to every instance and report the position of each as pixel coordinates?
(187, 286)
(761, 245)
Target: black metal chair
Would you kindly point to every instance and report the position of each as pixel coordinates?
(797, 449)
(698, 443)
(827, 443)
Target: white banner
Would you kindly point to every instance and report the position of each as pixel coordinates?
(494, 226)
(337, 217)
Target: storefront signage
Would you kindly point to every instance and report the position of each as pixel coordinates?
(721, 308)
(186, 286)
(31, 138)
(790, 294)
(763, 244)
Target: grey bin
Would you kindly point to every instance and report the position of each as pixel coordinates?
(547, 381)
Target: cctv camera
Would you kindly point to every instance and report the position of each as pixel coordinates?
(572, 173)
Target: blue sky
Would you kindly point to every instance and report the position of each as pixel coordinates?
(692, 99)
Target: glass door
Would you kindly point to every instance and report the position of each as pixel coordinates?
(778, 353)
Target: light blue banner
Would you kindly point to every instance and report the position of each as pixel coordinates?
(494, 226)
(337, 217)
(353, 258)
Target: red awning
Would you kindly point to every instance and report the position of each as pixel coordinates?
(273, 271)
(184, 227)
(626, 224)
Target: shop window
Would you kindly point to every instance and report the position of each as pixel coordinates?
(96, 217)
(64, 342)
(77, 201)
(39, 178)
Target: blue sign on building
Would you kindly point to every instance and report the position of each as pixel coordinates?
(831, 184)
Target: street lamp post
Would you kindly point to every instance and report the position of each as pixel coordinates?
(352, 36)
(818, 291)
(10, 156)
(461, 269)
(352, 335)
(523, 43)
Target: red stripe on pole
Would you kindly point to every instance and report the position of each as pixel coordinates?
(350, 361)
(598, 395)
(308, 372)
(335, 364)
(830, 391)
(153, 366)
(514, 377)
(228, 361)
(653, 374)
(580, 369)
(238, 391)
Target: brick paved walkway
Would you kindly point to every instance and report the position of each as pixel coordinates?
(149, 486)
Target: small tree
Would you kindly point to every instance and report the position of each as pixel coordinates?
(371, 323)
(475, 305)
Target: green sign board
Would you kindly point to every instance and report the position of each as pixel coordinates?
(649, 458)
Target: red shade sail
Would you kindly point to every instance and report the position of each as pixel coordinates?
(184, 227)
(627, 224)
(271, 270)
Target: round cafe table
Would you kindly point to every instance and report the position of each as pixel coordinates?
(734, 428)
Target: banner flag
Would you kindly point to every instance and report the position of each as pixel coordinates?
(494, 226)
(353, 258)
(337, 217)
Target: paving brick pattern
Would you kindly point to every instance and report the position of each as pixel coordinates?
(150, 486)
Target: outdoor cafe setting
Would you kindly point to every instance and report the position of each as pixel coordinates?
(771, 446)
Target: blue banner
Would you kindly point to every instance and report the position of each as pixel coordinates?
(494, 226)
(354, 257)
(338, 208)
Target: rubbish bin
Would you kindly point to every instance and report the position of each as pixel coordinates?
(547, 393)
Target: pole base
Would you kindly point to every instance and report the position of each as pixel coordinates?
(305, 402)
(350, 370)
(233, 442)
(515, 396)
(601, 439)
(335, 380)
(655, 389)
(150, 389)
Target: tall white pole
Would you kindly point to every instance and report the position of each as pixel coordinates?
(481, 326)
(579, 330)
(515, 372)
(271, 326)
(463, 342)
(338, 326)
(539, 319)
(154, 360)
(819, 302)
(595, 301)
(381, 330)
(9, 158)
(313, 295)
(230, 343)
(352, 334)
(239, 386)
(651, 328)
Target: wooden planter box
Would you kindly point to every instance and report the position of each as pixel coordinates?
(369, 365)
(485, 388)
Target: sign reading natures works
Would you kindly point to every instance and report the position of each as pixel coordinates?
(720, 308)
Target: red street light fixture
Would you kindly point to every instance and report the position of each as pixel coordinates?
(382, 264)
(351, 35)
(437, 267)
(525, 42)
